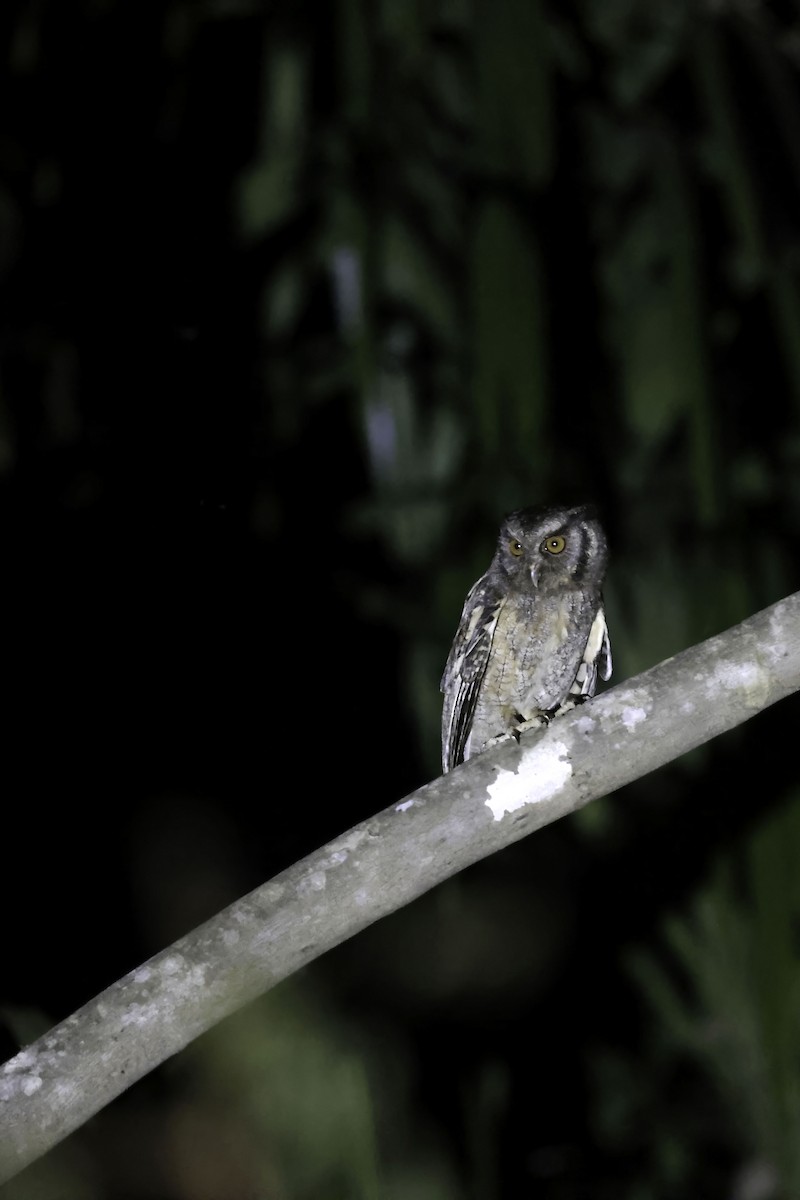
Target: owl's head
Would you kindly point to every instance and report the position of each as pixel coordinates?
(552, 549)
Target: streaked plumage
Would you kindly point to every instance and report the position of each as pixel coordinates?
(532, 635)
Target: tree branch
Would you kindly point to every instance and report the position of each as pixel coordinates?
(50, 1088)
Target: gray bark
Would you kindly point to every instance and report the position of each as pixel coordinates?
(52, 1086)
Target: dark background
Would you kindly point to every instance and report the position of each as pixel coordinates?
(297, 300)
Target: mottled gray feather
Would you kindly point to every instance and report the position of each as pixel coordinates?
(466, 665)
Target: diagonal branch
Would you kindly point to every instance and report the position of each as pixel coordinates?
(50, 1088)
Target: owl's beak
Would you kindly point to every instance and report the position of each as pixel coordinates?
(535, 574)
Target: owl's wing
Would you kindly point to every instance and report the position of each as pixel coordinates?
(596, 658)
(466, 666)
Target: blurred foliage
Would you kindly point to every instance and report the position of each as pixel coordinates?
(726, 993)
(325, 290)
(558, 266)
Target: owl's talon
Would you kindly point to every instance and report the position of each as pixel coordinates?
(501, 737)
(541, 720)
(522, 726)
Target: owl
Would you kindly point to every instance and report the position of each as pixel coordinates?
(532, 636)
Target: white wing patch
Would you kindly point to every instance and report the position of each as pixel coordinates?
(596, 659)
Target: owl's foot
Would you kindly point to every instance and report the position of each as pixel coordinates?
(538, 722)
(520, 726)
(498, 738)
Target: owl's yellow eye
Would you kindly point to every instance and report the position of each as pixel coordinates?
(515, 548)
(555, 544)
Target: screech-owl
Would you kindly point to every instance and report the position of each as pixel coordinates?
(532, 637)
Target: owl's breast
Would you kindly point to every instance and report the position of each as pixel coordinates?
(536, 650)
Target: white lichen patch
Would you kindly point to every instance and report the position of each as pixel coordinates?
(631, 717)
(230, 937)
(142, 974)
(631, 706)
(64, 1093)
(139, 1014)
(32, 1084)
(340, 850)
(179, 978)
(585, 724)
(542, 773)
(404, 805)
(777, 621)
(315, 881)
(193, 981)
(268, 893)
(21, 1062)
(747, 678)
